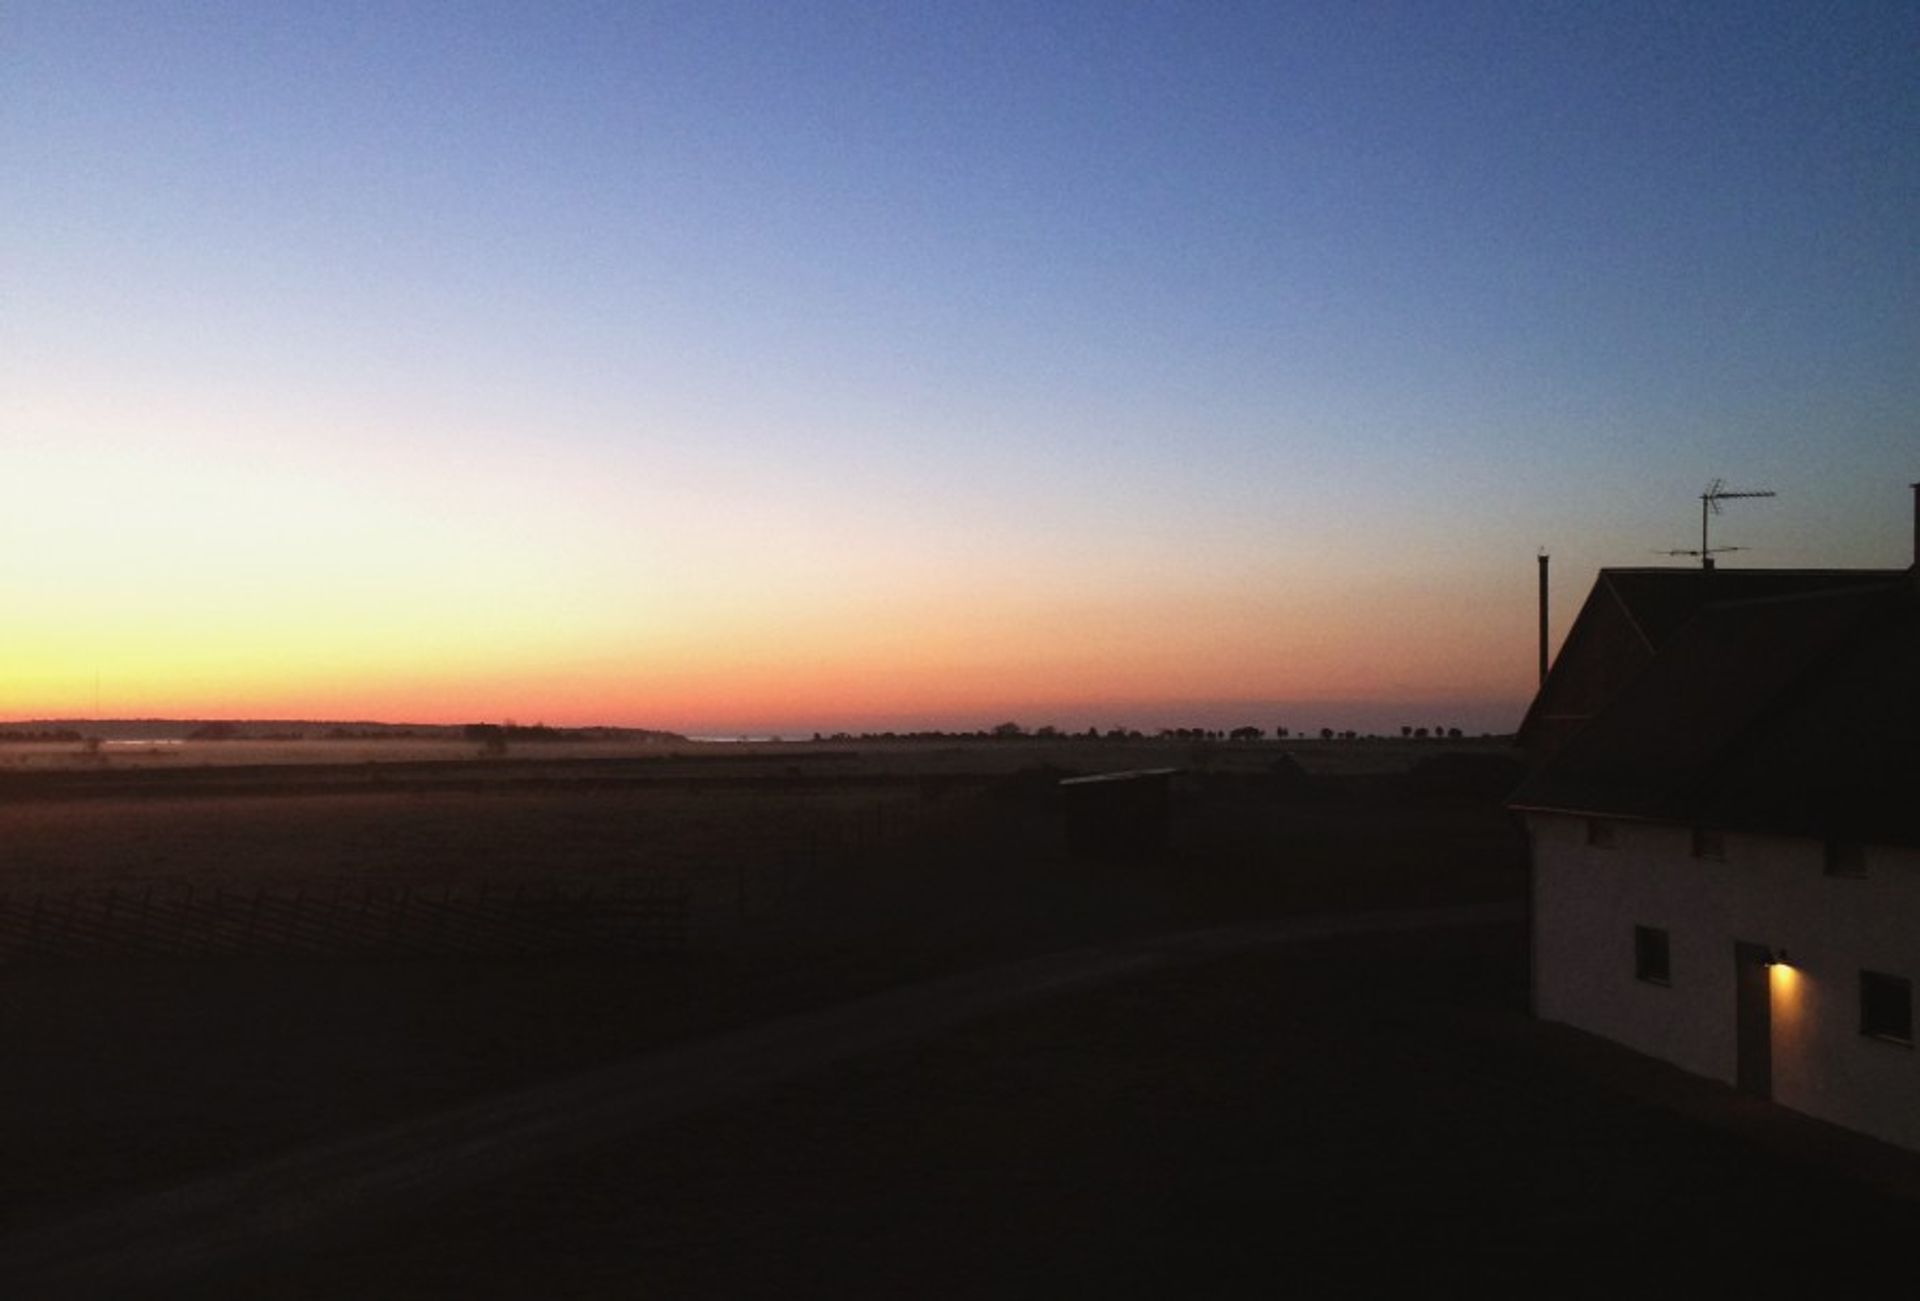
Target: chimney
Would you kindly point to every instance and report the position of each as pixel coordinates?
(1543, 595)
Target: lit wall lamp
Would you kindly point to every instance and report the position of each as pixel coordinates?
(1776, 958)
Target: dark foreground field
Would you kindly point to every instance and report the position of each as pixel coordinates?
(1318, 1119)
(1335, 1117)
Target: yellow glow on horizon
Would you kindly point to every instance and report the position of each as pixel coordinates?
(378, 584)
(557, 652)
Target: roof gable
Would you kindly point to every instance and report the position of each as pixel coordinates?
(1794, 713)
(1630, 615)
(1661, 601)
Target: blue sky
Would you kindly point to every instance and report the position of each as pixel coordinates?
(1210, 312)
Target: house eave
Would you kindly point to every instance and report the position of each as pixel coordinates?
(1574, 811)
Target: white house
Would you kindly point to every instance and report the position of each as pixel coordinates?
(1725, 819)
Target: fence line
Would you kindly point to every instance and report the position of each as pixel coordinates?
(182, 920)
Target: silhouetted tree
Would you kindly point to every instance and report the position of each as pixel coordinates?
(1326, 734)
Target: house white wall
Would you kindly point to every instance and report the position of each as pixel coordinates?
(1768, 890)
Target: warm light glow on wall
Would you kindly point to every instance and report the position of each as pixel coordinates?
(1793, 1009)
(1785, 983)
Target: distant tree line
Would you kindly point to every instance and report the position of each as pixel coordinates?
(503, 733)
(514, 732)
(318, 730)
(221, 730)
(1011, 731)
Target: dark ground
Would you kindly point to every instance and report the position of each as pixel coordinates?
(1362, 1115)
(1340, 1118)
(126, 1076)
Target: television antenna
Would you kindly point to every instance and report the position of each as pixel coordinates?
(1710, 500)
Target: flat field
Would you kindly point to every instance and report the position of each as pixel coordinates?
(1349, 1116)
(783, 841)
(1360, 1118)
(814, 873)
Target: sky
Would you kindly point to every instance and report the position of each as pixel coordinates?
(770, 368)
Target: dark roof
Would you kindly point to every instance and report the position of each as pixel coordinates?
(1655, 603)
(1794, 713)
(1661, 601)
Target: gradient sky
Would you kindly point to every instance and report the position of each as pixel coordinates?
(734, 367)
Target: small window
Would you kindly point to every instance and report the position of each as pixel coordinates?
(1599, 833)
(1886, 1007)
(1846, 858)
(1709, 843)
(1650, 955)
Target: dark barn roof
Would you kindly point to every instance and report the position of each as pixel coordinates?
(1662, 601)
(1793, 710)
(1627, 619)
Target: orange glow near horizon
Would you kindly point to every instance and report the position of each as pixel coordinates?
(712, 673)
(720, 669)
(215, 588)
